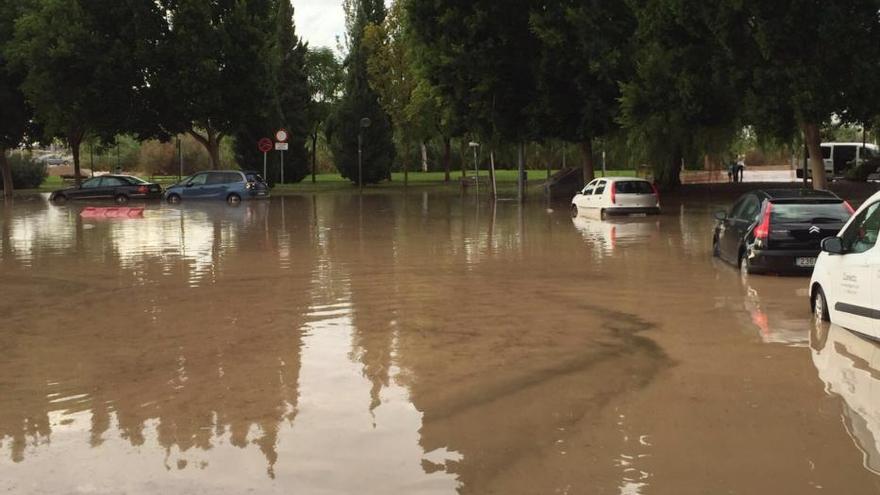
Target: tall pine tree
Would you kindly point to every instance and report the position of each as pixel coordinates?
(359, 102)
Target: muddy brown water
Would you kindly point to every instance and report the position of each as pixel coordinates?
(408, 344)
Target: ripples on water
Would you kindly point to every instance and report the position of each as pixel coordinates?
(383, 344)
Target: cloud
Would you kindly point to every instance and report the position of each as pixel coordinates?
(319, 21)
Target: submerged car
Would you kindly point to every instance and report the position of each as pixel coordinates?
(228, 185)
(119, 188)
(845, 288)
(778, 231)
(617, 196)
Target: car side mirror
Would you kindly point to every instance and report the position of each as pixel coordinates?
(832, 245)
(189, 184)
(721, 216)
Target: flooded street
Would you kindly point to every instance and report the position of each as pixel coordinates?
(410, 344)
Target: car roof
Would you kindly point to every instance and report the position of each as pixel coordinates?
(794, 195)
(618, 179)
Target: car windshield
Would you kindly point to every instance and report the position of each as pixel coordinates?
(810, 213)
(251, 177)
(633, 187)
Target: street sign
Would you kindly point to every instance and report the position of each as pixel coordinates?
(281, 136)
(281, 146)
(264, 145)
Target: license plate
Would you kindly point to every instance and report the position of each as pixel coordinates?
(805, 262)
(639, 214)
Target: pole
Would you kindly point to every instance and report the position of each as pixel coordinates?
(476, 171)
(179, 161)
(264, 166)
(521, 169)
(360, 161)
(604, 173)
(282, 166)
(92, 159)
(806, 159)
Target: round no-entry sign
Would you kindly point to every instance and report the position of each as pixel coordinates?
(265, 145)
(281, 136)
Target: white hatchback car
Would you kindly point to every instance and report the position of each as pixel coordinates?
(845, 287)
(617, 196)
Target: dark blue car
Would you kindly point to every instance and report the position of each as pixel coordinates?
(227, 185)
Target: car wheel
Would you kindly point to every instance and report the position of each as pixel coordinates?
(820, 306)
(574, 211)
(60, 199)
(233, 199)
(603, 215)
(173, 198)
(121, 199)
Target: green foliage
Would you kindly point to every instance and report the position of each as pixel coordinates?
(480, 56)
(27, 173)
(361, 101)
(684, 99)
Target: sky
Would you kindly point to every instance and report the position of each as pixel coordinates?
(319, 21)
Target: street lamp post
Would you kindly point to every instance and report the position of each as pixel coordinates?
(365, 122)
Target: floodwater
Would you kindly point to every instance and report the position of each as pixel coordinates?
(410, 344)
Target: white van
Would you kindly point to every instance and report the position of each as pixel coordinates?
(845, 287)
(840, 157)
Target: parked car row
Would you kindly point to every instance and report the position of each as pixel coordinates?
(229, 185)
(780, 231)
(802, 231)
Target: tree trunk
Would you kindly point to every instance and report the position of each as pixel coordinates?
(211, 142)
(589, 170)
(814, 144)
(314, 155)
(6, 172)
(462, 149)
(447, 157)
(74, 140)
(424, 157)
(667, 174)
(492, 175)
(406, 166)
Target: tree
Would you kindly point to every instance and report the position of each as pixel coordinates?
(480, 55)
(16, 111)
(326, 76)
(83, 64)
(686, 94)
(406, 96)
(286, 87)
(811, 59)
(212, 68)
(359, 102)
(585, 53)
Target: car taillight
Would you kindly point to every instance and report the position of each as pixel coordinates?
(613, 187)
(849, 207)
(143, 189)
(762, 231)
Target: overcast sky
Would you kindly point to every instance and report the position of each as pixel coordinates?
(319, 21)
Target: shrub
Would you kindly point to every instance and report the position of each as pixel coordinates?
(27, 173)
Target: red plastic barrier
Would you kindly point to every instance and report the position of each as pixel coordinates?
(112, 212)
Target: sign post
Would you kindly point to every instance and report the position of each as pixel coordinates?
(281, 145)
(265, 146)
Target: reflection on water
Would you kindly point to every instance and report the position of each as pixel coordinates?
(850, 367)
(342, 344)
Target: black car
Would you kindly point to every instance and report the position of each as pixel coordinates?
(778, 231)
(119, 188)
